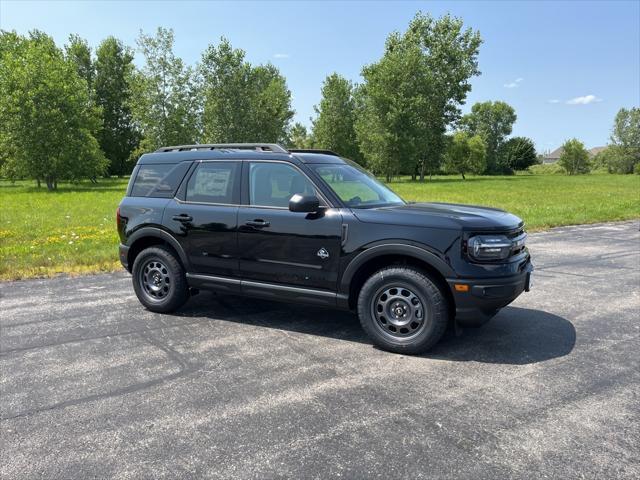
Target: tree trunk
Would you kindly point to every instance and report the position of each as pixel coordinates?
(422, 171)
(463, 176)
(49, 181)
(38, 182)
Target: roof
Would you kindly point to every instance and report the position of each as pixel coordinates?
(555, 154)
(176, 155)
(596, 150)
(308, 157)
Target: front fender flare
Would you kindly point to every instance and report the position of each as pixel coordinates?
(405, 249)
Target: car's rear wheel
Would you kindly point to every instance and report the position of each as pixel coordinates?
(403, 310)
(159, 280)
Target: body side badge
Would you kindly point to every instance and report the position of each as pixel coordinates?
(323, 254)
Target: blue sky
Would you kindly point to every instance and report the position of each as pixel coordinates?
(566, 67)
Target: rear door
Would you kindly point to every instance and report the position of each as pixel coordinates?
(279, 246)
(204, 217)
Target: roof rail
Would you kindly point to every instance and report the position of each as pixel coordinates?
(313, 150)
(260, 147)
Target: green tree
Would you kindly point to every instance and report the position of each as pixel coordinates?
(165, 97)
(118, 136)
(517, 153)
(465, 154)
(388, 123)
(449, 60)
(299, 137)
(46, 115)
(242, 103)
(625, 141)
(334, 125)
(78, 52)
(414, 92)
(493, 121)
(605, 160)
(574, 158)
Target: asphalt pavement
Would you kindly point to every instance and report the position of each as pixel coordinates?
(94, 386)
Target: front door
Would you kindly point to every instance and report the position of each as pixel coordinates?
(279, 246)
(205, 221)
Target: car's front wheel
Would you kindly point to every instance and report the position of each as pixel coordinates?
(159, 280)
(403, 310)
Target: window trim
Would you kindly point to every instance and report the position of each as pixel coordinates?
(246, 197)
(235, 193)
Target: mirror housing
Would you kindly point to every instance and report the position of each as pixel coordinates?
(304, 203)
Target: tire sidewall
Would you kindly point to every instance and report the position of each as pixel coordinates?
(173, 299)
(423, 288)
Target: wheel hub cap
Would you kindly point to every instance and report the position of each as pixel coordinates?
(155, 280)
(398, 312)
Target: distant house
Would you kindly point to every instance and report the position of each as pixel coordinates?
(596, 150)
(554, 156)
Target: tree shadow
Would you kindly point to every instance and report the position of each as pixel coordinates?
(105, 185)
(459, 180)
(516, 336)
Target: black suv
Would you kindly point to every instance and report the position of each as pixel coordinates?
(313, 227)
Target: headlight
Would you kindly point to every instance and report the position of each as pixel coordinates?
(489, 247)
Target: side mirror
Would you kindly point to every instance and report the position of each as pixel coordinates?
(304, 203)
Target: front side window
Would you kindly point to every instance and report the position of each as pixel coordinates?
(273, 184)
(213, 182)
(356, 187)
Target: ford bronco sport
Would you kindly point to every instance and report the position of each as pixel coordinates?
(313, 227)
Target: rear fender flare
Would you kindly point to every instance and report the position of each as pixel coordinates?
(154, 232)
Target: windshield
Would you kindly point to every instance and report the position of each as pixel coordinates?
(356, 187)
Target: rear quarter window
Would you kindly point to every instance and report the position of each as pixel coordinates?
(159, 180)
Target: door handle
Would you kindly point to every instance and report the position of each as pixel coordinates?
(183, 217)
(258, 223)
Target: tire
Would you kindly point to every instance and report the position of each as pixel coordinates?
(159, 280)
(403, 310)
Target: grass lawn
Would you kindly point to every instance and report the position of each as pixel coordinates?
(73, 230)
(542, 201)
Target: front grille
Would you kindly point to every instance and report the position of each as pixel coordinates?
(512, 233)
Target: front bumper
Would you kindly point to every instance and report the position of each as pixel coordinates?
(124, 256)
(486, 296)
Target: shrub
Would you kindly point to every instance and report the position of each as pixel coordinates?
(546, 169)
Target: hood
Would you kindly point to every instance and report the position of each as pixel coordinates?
(441, 215)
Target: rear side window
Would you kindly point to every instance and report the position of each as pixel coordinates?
(213, 182)
(160, 180)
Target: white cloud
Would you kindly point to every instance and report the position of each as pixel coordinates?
(554, 100)
(281, 55)
(586, 100)
(514, 84)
